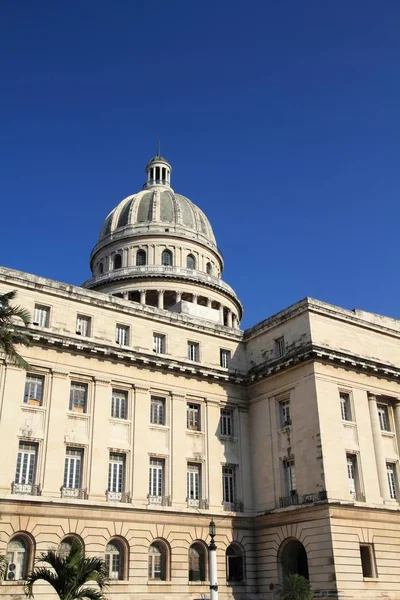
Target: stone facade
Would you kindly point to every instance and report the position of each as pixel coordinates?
(141, 420)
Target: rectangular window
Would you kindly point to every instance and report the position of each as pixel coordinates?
(284, 410)
(159, 343)
(193, 351)
(34, 390)
(383, 414)
(368, 560)
(119, 404)
(116, 473)
(193, 481)
(280, 346)
(290, 477)
(26, 463)
(193, 417)
(78, 397)
(73, 468)
(392, 479)
(157, 410)
(156, 477)
(224, 358)
(352, 475)
(41, 316)
(228, 485)
(226, 422)
(83, 325)
(122, 335)
(345, 407)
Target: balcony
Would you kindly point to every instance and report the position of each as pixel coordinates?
(29, 489)
(77, 493)
(358, 496)
(296, 499)
(124, 497)
(199, 503)
(233, 506)
(160, 500)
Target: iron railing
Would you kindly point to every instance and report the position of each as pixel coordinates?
(30, 489)
(233, 506)
(296, 499)
(124, 497)
(78, 493)
(160, 500)
(199, 503)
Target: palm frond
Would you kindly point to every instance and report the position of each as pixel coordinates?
(89, 594)
(10, 333)
(43, 574)
(3, 566)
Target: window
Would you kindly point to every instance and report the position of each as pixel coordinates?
(141, 258)
(190, 261)
(392, 479)
(116, 473)
(34, 390)
(197, 562)
(83, 325)
(193, 481)
(117, 261)
(193, 417)
(228, 485)
(209, 268)
(157, 561)
(345, 406)
(368, 563)
(78, 397)
(101, 268)
(284, 409)
(159, 343)
(156, 477)
(65, 546)
(122, 335)
(226, 422)
(289, 477)
(166, 258)
(26, 464)
(17, 558)
(119, 404)
(193, 351)
(234, 564)
(352, 476)
(225, 358)
(157, 410)
(41, 316)
(73, 468)
(383, 414)
(280, 346)
(114, 559)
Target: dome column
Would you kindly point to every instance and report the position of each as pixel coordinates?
(142, 296)
(221, 314)
(229, 318)
(160, 299)
(194, 296)
(178, 297)
(209, 303)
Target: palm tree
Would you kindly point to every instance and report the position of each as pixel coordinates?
(296, 587)
(9, 335)
(70, 573)
(3, 566)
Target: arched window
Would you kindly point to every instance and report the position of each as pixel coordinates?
(234, 563)
(197, 562)
(209, 268)
(101, 268)
(66, 544)
(190, 261)
(18, 551)
(158, 561)
(166, 258)
(115, 559)
(117, 261)
(140, 258)
(292, 557)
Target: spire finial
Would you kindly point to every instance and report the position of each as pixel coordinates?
(159, 148)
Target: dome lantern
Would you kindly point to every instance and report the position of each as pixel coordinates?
(158, 171)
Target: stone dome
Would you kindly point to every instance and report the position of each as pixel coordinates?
(158, 210)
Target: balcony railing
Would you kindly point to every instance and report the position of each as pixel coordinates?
(30, 489)
(160, 500)
(199, 503)
(296, 499)
(119, 496)
(233, 506)
(358, 496)
(78, 493)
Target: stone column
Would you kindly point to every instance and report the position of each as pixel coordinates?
(209, 303)
(126, 295)
(142, 296)
(140, 454)
(99, 453)
(378, 447)
(234, 321)
(396, 410)
(160, 298)
(229, 319)
(221, 314)
(195, 296)
(178, 296)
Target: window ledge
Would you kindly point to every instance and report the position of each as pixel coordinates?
(199, 582)
(195, 431)
(33, 407)
(15, 582)
(72, 413)
(159, 427)
(370, 579)
(348, 423)
(228, 438)
(235, 583)
(389, 434)
(158, 582)
(119, 420)
(119, 581)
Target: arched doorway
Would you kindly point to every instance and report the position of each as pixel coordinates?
(293, 559)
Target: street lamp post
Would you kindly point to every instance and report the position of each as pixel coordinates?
(212, 555)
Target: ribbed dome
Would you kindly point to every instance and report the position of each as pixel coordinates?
(158, 211)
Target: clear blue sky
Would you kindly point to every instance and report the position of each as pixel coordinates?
(280, 118)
